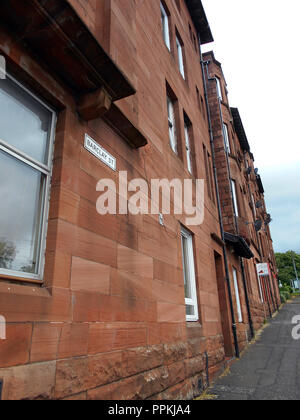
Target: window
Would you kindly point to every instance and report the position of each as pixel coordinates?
(26, 144)
(258, 281)
(188, 148)
(188, 145)
(189, 276)
(180, 57)
(219, 89)
(172, 124)
(165, 26)
(237, 296)
(254, 206)
(226, 139)
(234, 195)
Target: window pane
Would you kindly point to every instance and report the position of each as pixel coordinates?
(186, 271)
(172, 125)
(219, 89)
(180, 57)
(188, 149)
(235, 202)
(237, 295)
(165, 26)
(226, 138)
(21, 204)
(190, 310)
(24, 122)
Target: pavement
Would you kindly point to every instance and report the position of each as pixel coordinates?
(270, 368)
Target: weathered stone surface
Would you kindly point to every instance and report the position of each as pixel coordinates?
(142, 359)
(138, 387)
(175, 352)
(180, 392)
(77, 375)
(29, 382)
(78, 397)
(194, 365)
(177, 373)
(196, 346)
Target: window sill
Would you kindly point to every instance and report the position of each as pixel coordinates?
(193, 324)
(20, 279)
(22, 289)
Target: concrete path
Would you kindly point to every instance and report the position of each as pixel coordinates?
(270, 368)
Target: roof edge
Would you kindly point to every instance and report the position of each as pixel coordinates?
(198, 15)
(239, 128)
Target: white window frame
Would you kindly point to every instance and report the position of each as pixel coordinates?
(237, 296)
(219, 89)
(188, 148)
(226, 138)
(165, 26)
(191, 268)
(234, 195)
(259, 285)
(45, 169)
(180, 57)
(172, 124)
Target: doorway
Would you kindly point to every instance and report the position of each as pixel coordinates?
(224, 306)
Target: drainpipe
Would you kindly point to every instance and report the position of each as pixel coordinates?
(234, 329)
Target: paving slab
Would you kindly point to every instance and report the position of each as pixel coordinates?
(269, 368)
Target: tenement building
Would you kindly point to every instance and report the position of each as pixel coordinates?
(244, 215)
(135, 251)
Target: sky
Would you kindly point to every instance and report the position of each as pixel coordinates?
(257, 42)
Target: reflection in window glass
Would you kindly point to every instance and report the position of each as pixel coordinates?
(21, 208)
(24, 123)
(190, 311)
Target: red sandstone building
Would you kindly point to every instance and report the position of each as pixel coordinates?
(244, 216)
(122, 306)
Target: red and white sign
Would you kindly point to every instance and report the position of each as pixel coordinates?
(263, 270)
